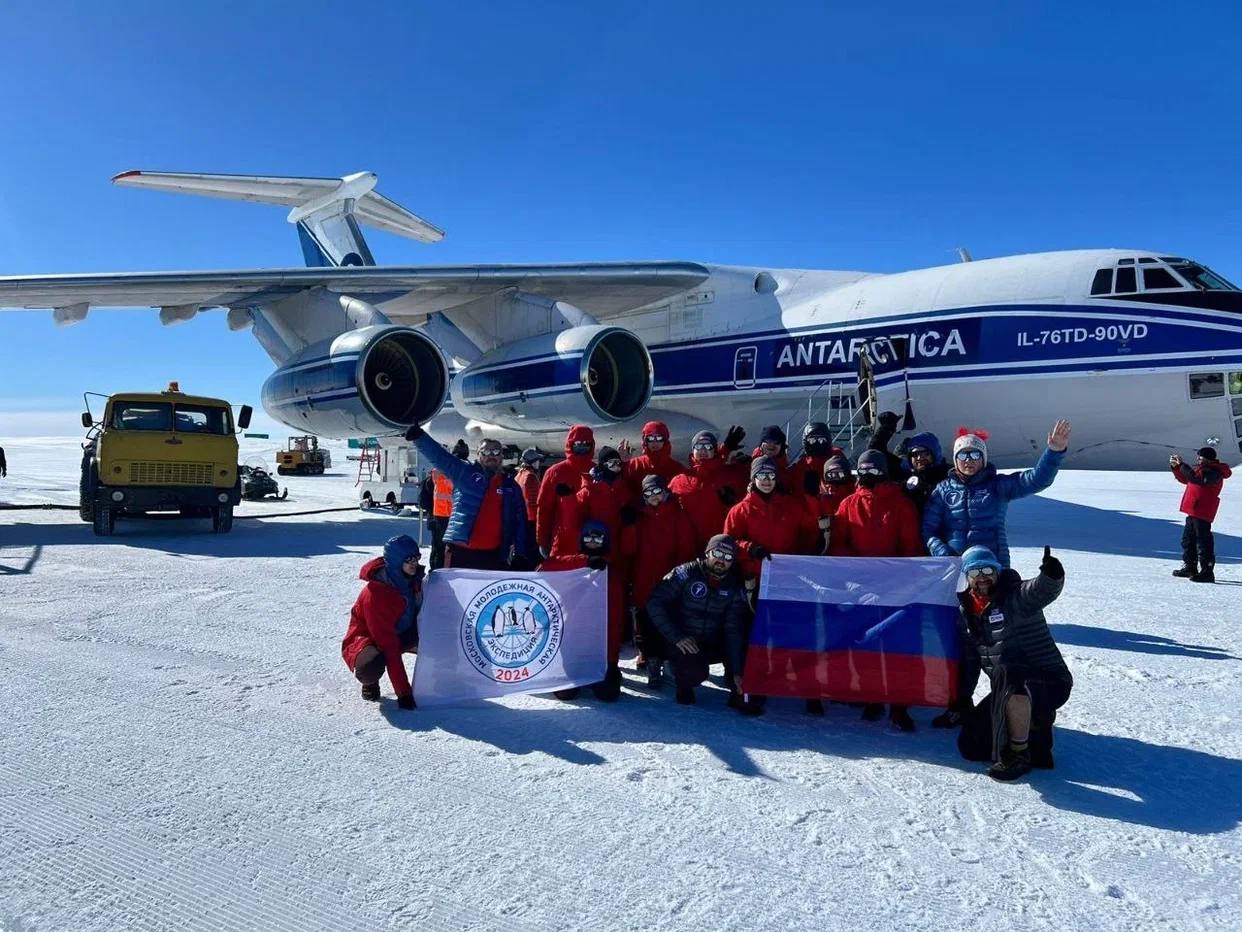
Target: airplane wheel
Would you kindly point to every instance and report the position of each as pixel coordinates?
(104, 521)
(222, 519)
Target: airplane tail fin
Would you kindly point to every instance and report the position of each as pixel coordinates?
(327, 211)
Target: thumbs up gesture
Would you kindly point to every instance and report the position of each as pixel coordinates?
(1051, 566)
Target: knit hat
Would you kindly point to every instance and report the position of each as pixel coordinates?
(721, 542)
(1207, 453)
(772, 434)
(764, 462)
(978, 557)
(653, 482)
(705, 436)
(838, 463)
(874, 458)
(971, 440)
(608, 453)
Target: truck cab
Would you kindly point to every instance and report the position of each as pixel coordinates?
(161, 452)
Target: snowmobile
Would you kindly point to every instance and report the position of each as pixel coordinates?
(258, 485)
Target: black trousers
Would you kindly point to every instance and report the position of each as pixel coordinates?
(648, 640)
(690, 670)
(438, 526)
(370, 663)
(980, 725)
(1198, 545)
(463, 558)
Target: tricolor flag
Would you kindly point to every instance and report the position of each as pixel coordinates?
(483, 633)
(856, 628)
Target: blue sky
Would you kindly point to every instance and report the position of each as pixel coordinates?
(826, 135)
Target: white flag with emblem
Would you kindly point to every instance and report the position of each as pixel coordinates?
(484, 633)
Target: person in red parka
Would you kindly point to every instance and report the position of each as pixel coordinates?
(769, 521)
(527, 477)
(606, 496)
(384, 621)
(657, 457)
(556, 520)
(662, 538)
(807, 471)
(705, 490)
(1200, 502)
(878, 520)
(838, 485)
(773, 443)
(593, 552)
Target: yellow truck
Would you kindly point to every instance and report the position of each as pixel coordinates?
(161, 452)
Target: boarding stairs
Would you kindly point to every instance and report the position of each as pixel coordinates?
(847, 405)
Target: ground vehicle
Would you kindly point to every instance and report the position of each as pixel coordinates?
(257, 484)
(164, 451)
(303, 457)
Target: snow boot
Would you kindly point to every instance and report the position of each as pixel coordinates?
(899, 715)
(815, 707)
(1185, 572)
(873, 712)
(949, 718)
(565, 695)
(655, 672)
(685, 695)
(1207, 574)
(1014, 763)
(1042, 758)
(371, 692)
(610, 689)
(749, 707)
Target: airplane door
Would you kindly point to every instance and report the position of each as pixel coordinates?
(1235, 405)
(744, 366)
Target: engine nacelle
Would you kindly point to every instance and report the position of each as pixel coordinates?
(593, 375)
(372, 381)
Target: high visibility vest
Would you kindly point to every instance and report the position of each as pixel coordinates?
(442, 502)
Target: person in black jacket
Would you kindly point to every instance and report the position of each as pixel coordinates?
(700, 610)
(1004, 633)
(4, 465)
(918, 464)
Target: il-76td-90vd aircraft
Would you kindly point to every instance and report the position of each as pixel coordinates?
(1141, 349)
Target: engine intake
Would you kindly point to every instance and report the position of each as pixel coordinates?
(593, 375)
(372, 381)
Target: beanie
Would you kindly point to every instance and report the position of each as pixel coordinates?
(971, 440)
(1207, 453)
(721, 542)
(978, 557)
(764, 462)
(772, 434)
(608, 453)
(653, 482)
(874, 458)
(705, 436)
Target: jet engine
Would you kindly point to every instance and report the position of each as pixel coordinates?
(592, 374)
(372, 381)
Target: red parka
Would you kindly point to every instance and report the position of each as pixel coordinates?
(528, 481)
(781, 523)
(602, 500)
(373, 620)
(663, 538)
(556, 526)
(699, 489)
(832, 494)
(659, 462)
(616, 595)
(796, 479)
(1203, 484)
(878, 522)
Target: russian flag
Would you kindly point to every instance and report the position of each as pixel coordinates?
(861, 629)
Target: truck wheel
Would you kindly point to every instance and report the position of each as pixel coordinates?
(86, 490)
(103, 520)
(282, 471)
(222, 519)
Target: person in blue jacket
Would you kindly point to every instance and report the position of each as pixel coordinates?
(487, 527)
(968, 508)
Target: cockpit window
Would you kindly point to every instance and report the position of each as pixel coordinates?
(1155, 277)
(1125, 281)
(1204, 279)
(1103, 282)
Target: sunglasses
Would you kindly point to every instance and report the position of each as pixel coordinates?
(654, 493)
(765, 476)
(705, 445)
(491, 451)
(413, 559)
(987, 572)
(920, 454)
(593, 538)
(582, 447)
(869, 470)
(655, 438)
(835, 476)
(724, 556)
(815, 442)
(974, 456)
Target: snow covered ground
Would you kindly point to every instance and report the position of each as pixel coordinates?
(183, 748)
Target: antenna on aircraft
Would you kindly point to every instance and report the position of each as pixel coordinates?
(963, 254)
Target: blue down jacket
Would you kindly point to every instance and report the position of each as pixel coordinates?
(964, 513)
(470, 483)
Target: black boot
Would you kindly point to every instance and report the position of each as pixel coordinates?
(1014, 763)
(1207, 574)
(873, 712)
(567, 694)
(814, 707)
(949, 718)
(610, 689)
(899, 715)
(371, 692)
(1185, 572)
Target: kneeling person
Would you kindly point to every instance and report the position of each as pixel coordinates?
(384, 621)
(1004, 632)
(700, 610)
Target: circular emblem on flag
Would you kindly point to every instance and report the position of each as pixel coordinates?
(698, 590)
(511, 630)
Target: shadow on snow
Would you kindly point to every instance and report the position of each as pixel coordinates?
(1086, 636)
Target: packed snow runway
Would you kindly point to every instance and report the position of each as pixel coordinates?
(184, 748)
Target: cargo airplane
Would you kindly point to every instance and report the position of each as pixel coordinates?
(1141, 349)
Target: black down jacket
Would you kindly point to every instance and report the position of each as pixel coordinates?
(688, 602)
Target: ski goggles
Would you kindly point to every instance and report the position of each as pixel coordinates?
(704, 446)
(816, 443)
(582, 446)
(975, 456)
(870, 470)
(490, 448)
(593, 537)
(655, 494)
(985, 572)
(724, 556)
(835, 475)
(765, 475)
(654, 438)
(613, 465)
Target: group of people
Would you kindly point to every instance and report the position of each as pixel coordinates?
(684, 547)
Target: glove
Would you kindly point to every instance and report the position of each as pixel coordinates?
(727, 495)
(519, 563)
(412, 433)
(733, 439)
(810, 482)
(629, 515)
(759, 552)
(597, 563)
(889, 420)
(562, 489)
(406, 702)
(1051, 566)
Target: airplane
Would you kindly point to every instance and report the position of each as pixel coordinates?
(1141, 349)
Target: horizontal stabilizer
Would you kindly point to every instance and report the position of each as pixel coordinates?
(305, 196)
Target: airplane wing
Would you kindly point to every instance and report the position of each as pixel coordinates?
(602, 289)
